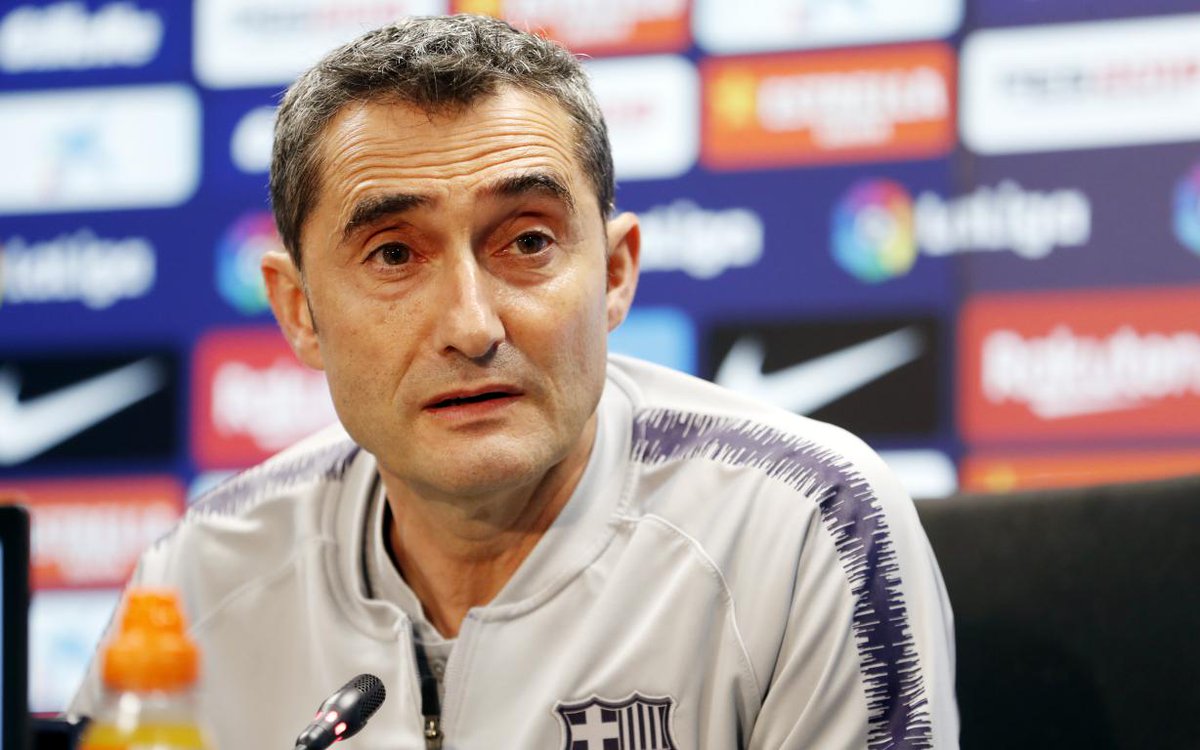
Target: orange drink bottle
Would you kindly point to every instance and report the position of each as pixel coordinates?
(150, 669)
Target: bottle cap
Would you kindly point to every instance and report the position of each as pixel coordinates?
(151, 649)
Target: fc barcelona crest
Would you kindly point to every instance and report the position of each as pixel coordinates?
(636, 723)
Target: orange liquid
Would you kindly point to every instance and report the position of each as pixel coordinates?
(150, 736)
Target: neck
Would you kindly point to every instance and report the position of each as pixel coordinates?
(458, 553)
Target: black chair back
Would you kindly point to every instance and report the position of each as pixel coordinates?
(1077, 615)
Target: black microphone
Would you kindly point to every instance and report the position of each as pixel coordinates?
(344, 713)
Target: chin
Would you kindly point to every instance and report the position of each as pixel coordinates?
(488, 470)
(482, 482)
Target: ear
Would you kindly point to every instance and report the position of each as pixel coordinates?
(624, 246)
(289, 302)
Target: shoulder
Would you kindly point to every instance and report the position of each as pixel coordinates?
(254, 523)
(681, 422)
(320, 459)
(755, 486)
(764, 492)
(813, 535)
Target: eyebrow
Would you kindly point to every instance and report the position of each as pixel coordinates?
(538, 182)
(371, 209)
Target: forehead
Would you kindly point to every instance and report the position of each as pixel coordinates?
(385, 146)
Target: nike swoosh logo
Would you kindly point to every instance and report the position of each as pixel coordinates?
(35, 426)
(807, 386)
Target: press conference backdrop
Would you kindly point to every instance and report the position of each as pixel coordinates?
(968, 230)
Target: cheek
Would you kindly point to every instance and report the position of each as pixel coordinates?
(581, 314)
(358, 347)
(582, 342)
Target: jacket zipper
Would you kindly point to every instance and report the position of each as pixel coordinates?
(431, 710)
(433, 732)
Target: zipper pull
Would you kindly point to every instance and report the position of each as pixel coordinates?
(433, 732)
(431, 705)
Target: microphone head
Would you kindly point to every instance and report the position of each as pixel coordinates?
(373, 692)
(344, 713)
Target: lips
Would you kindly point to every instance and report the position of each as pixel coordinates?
(468, 397)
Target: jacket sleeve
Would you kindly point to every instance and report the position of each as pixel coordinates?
(867, 657)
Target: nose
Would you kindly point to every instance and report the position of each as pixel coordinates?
(468, 321)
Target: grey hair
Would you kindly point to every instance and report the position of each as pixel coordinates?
(438, 64)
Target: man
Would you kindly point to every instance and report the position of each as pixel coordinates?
(582, 552)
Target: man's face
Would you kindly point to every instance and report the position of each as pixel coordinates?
(462, 284)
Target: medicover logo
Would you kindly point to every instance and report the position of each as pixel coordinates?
(873, 236)
(239, 252)
(1187, 209)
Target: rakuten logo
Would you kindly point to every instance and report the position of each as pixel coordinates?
(68, 36)
(608, 25)
(1081, 365)
(703, 243)
(252, 398)
(78, 267)
(268, 42)
(1085, 85)
(1064, 374)
(273, 406)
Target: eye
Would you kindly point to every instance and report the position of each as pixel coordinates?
(532, 243)
(392, 254)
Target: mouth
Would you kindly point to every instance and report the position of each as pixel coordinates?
(449, 401)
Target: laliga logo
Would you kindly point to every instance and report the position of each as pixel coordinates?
(239, 278)
(1187, 210)
(873, 231)
(76, 266)
(878, 228)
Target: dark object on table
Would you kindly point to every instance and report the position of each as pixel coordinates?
(56, 734)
